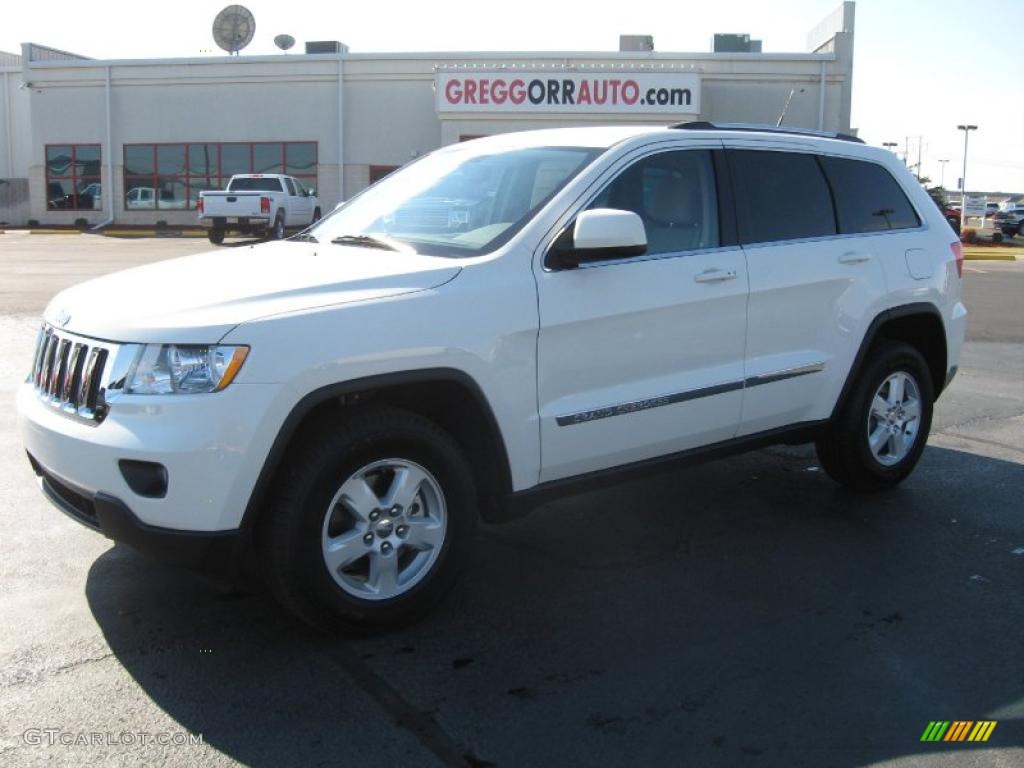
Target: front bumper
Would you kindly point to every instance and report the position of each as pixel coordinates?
(211, 446)
(218, 552)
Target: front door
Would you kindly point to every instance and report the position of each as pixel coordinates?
(643, 356)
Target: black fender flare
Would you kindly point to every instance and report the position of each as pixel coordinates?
(308, 402)
(886, 315)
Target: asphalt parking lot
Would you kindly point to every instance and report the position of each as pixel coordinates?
(745, 612)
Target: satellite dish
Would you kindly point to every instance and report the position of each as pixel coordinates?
(284, 42)
(234, 28)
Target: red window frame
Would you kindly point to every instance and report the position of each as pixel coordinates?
(189, 179)
(74, 177)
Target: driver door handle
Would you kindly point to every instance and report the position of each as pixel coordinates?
(714, 275)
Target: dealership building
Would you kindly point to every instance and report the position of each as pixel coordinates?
(133, 142)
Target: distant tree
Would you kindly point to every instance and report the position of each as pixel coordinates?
(937, 193)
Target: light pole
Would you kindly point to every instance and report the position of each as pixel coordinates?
(942, 173)
(963, 179)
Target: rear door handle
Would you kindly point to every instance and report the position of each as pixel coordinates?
(854, 257)
(715, 276)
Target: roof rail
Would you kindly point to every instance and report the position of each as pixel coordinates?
(704, 125)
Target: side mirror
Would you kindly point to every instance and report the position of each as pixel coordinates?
(599, 235)
(311, 192)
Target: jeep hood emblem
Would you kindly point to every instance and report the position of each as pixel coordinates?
(63, 318)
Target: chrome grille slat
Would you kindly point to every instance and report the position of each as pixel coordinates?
(60, 364)
(90, 382)
(37, 362)
(73, 375)
(67, 373)
(48, 355)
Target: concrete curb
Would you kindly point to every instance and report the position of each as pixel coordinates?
(55, 232)
(992, 254)
(152, 233)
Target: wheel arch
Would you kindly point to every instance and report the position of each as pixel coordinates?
(918, 324)
(440, 394)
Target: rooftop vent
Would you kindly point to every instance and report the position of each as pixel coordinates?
(325, 46)
(732, 43)
(643, 43)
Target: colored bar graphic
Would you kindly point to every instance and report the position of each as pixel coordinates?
(935, 730)
(982, 730)
(958, 730)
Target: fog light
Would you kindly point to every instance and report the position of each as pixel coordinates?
(146, 478)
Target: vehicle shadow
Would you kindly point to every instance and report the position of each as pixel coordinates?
(743, 611)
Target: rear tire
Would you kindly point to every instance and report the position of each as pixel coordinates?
(277, 230)
(370, 522)
(316, 216)
(216, 235)
(881, 430)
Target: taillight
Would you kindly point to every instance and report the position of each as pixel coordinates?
(199, 205)
(958, 254)
(264, 205)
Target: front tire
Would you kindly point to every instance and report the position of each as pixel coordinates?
(370, 522)
(316, 216)
(880, 432)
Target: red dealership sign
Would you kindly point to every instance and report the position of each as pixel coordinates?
(598, 92)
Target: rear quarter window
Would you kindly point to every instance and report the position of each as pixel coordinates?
(780, 196)
(868, 198)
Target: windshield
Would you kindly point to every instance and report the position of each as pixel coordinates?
(458, 202)
(254, 185)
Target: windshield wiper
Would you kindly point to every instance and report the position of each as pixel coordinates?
(303, 238)
(364, 241)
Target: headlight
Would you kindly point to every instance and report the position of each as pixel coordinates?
(161, 369)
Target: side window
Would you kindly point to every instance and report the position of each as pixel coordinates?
(291, 186)
(868, 198)
(674, 194)
(780, 196)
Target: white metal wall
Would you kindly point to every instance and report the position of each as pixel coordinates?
(387, 107)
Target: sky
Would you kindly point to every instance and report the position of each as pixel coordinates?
(921, 67)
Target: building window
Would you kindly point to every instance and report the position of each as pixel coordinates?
(378, 172)
(171, 176)
(73, 177)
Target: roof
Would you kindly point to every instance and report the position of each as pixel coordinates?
(603, 137)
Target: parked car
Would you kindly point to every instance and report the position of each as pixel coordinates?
(1007, 222)
(149, 198)
(338, 410)
(258, 204)
(952, 215)
(1019, 213)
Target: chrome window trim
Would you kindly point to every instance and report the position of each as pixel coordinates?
(826, 238)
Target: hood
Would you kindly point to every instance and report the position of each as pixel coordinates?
(198, 299)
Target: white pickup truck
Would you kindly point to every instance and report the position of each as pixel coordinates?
(258, 203)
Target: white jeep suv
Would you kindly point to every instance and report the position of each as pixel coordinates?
(493, 323)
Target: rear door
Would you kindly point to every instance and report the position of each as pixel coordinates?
(297, 206)
(812, 289)
(643, 356)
